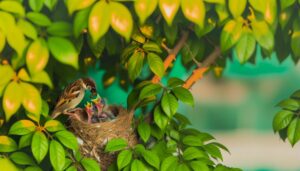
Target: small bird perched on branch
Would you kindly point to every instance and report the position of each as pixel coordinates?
(72, 96)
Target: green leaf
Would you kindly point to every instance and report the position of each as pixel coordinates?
(33, 168)
(39, 146)
(27, 28)
(184, 95)
(38, 19)
(245, 47)
(169, 104)
(23, 75)
(191, 140)
(223, 13)
(13, 7)
(150, 90)
(22, 158)
(72, 168)
(175, 82)
(67, 139)
(36, 5)
(213, 150)
(159, 118)
(6, 73)
(50, 4)
(294, 131)
(12, 99)
(198, 165)
(193, 153)
(289, 104)
(81, 21)
(168, 163)
(135, 65)
(194, 10)
(99, 21)
(25, 140)
(171, 33)
(124, 158)
(151, 158)
(120, 19)
(295, 40)
(137, 165)
(74, 5)
(156, 64)
(144, 8)
(15, 38)
(63, 50)
(230, 34)
(22, 127)
(31, 100)
(116, 144)
(144, 131)
(237, 7)
(169, 9)
(90, 164)
(98, 47)
(43, 78)
(37, 56)
(263, 34)
(54, 126)
(286, 3)
(60, 28)
(57, 155)
(182, 167)
(7, 144)
(152, 47)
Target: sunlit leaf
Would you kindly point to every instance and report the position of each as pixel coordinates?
(116, 144)
(168, 163)
(193, 153)
(36, 5)
(23, 75)
(37, 56)
(6, 73)
(22, 127)
(6, 164)
(63, 50)
(2, 40)
(81, 21)
(90, 164)
(22, 158)
(137, 165)
(151, 158)
(121, 19)
(67, 139)
(245, 46)
(160, 118)
(13, 6)
(7, 144)
(169, 9)
(267, 7)
(169, 104)
(263, 34)
(31, 100)
(60, 28)
(144, 8)
(25, 140)
(194, 10)
(12, 99)
(293, 132)
(156, 64)
(150, 90)
(144, 131)
(135, 65)
(124, 158)
(184, 95)
(39, 146)
(38, 18)
(237, 7)
(74, 5)
(16, 39)
(27, 28)
(231, 33)
(57, 155)
(43, 78)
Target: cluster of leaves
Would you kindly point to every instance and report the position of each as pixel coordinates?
(287, 121)
(50, 140)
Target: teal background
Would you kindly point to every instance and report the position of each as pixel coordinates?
(255, 112)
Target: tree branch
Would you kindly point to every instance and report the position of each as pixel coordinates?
(172, 55)
(198, 73)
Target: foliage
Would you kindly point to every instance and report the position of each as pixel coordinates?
(45, 44)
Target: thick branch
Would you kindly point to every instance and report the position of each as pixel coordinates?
(172, 55)
(198, 73)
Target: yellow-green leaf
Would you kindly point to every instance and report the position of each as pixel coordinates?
(267, 7)
(286, 3)
(39, 19)
(6, 74)
(54, 126)
(121, 19)
(57, 155)
(99, 20)
(156, 64)
(27, 28)
(194, 10)
(16, 39)
(2, 40)
(12, 6)
(295, 41)
(6, 164)
(43, 78)
(23, 75)
(39, 146)
(237, 7)
(245, 46)
(22, 127)
(12, 99)
(7, 21)
(63, 50)
(231, 33)
(32, 100)
(74, 5)
(263, 34)
(36, 5)
(37, 56)
(7, 145)
(169, 9)
(144, 8)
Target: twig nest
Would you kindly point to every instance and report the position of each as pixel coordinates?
(94, 136)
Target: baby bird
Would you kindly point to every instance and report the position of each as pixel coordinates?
(89, 108)
(100, 104)
(72, 96)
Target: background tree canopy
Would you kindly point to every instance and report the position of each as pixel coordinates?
(46, 44)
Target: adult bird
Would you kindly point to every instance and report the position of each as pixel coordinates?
(72, 96)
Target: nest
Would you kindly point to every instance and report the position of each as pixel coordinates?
(95, 136)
